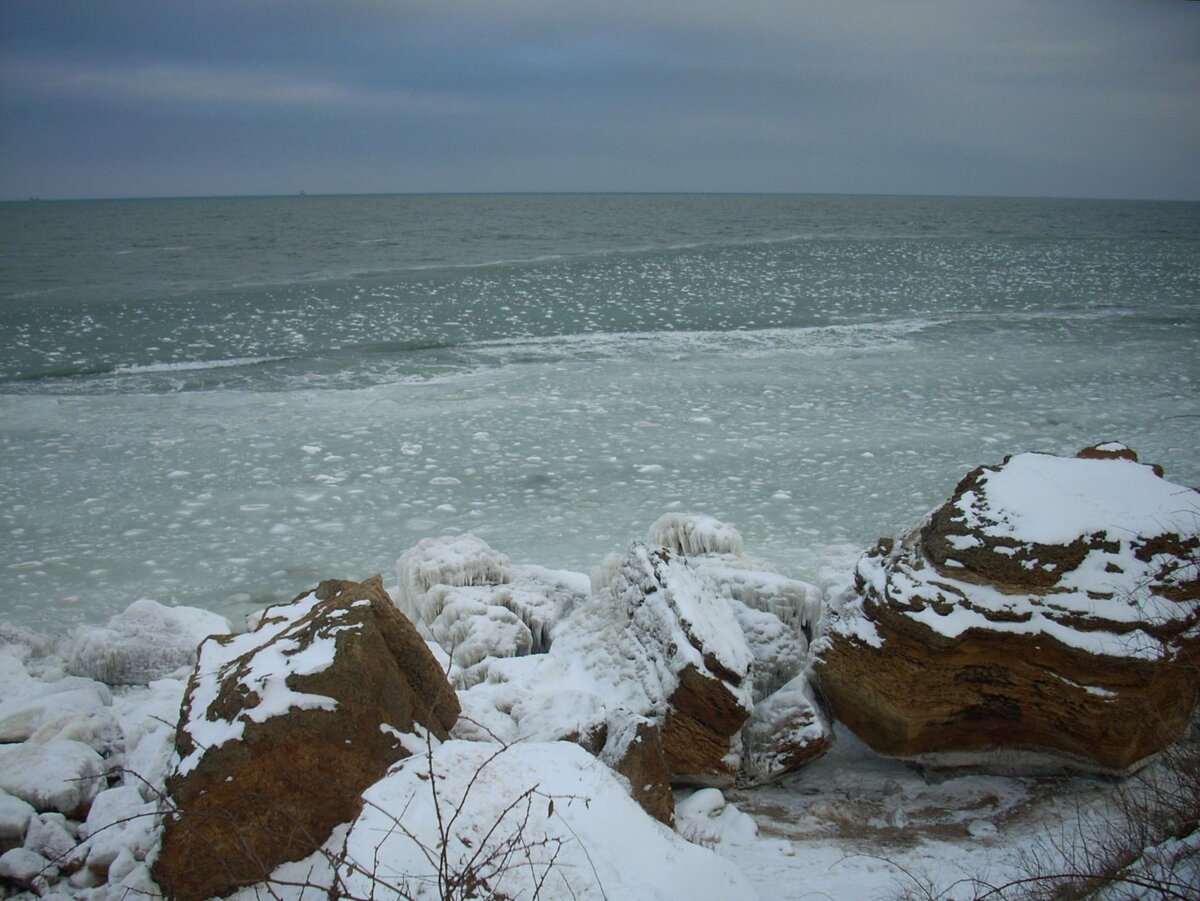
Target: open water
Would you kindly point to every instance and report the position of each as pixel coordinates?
(217, 402)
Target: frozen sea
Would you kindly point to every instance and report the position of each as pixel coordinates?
(217, 402)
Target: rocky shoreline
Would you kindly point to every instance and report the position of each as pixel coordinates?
(1046, 618)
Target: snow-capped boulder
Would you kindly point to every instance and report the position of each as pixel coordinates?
(28, 869)
(284, 727)
(1047, 614)
(58, 775)
(147, 641)
(49, 835)
(691, 638)
(120, 821)
(478, 605)
(50, 703)
(14, 820)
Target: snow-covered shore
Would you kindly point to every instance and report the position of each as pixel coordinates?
(88, 731)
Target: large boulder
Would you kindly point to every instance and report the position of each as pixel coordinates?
(689, 635)
(283, 728)
(1045, 616)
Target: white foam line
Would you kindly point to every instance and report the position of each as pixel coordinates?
(139, 369)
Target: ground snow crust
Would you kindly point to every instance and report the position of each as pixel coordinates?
(573, 825)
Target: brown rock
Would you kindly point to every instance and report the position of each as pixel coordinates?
(1045, 616)
(283, 728)
(637, 754)
(703, 716)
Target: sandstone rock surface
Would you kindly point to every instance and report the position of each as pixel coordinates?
(1048, 614)
(636, 753)
(283, 728)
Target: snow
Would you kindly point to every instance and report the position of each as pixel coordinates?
(1106, 605)
(58, 775)
(571, 820)
(480, 607)
(656, 591)
(119, 821)
(14, 819)
(716, 550)
(262, 661)
(849, 825)
(1047, 499)
(790, 718)
(705, 818)
(21, 717)
(24, 867)
(695, 533)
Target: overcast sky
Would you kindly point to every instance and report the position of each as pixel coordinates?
(1087, 98)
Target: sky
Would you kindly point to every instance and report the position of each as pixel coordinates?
(1067, 98)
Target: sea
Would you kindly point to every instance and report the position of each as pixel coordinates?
(219, 402)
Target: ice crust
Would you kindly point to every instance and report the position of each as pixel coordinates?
(147, 641)
(479, 606)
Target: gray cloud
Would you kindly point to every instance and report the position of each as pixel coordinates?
(1078, 97)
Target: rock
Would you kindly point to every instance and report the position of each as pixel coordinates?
(120, 820)
(45, 702)
(27, 869)
(49, 837)
(14, 820)
(147, 641)
(1045, 616)
(779, 651)
(715, 550)
(689, 634)
(706, 818)
(636, 753)
(283, 728)
(568, 714)
(60, 776)
(787, 730)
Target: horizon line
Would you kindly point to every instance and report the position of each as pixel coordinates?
(581, 193)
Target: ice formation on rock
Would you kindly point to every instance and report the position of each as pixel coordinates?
(478, 605)
(787, 729)
(692, 534)
(59, 775)
(716, 550)
(147, 641)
